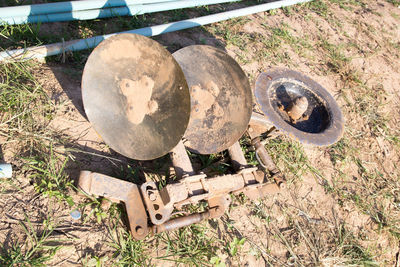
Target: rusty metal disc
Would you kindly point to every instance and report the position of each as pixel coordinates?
(136, 96)
(299, 107)
(221, 98)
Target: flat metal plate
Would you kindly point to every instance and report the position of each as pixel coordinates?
(136, 96)
(221, 98)
(321, 124)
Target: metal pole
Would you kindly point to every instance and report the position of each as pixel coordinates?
(40, 9)
(131, 10)
(77, 45)
(181, 161)
(237, 156)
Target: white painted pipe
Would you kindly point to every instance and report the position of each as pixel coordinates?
(60, 7)
(132, 10)
(76, 45)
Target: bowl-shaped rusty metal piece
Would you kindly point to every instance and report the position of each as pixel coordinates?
(299, 107)
(136, 96)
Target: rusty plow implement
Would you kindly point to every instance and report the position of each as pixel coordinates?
(145, 103)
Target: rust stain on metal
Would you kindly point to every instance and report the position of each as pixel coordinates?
(220, 97)
(298, 107)
(117, 190)
(138, 95)
(121, 49)
(191, 189)
(204, 99)
(180, 222)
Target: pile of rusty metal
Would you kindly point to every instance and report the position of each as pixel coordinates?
(145, 103)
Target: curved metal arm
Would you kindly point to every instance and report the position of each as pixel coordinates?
(118, 191)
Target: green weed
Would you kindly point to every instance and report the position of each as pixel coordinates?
(17, 36)
(394, 2)
(128, 251)
(37, 249)
(290, 154)
(235, 245)
(350, 248)
(190, 245)
(50, 177)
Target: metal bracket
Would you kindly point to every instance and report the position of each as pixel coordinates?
(148, 202)
(118, 191)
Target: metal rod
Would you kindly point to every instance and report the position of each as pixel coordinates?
(77, 45)
(181, 161)
(237, 156)
(268, 163)
(40, 9)
(181, 222)
(131, 10)
(264, 156)
(260, 119)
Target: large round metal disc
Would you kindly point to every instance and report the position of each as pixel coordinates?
(277, 91)
(136, 96)
(221, 98)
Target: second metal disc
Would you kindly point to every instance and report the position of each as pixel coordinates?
(221, 98)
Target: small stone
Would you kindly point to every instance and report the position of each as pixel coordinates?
(75, 214)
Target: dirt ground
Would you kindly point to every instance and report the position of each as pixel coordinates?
(342, 203)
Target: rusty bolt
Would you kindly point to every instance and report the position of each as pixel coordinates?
(282, 185)
(299, 106)
(139, 230)
(152, 196)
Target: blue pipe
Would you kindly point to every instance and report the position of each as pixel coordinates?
(61, 7)
(111, 12)
(77, 45)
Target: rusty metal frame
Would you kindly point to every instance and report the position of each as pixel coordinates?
(150, 209)
(118, 191)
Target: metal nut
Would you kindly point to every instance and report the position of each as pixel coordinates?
(139, 230)
(282, 185)
(152, 196)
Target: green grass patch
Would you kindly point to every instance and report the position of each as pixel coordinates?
(38, 248)
(191, 245)
(290, 155)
